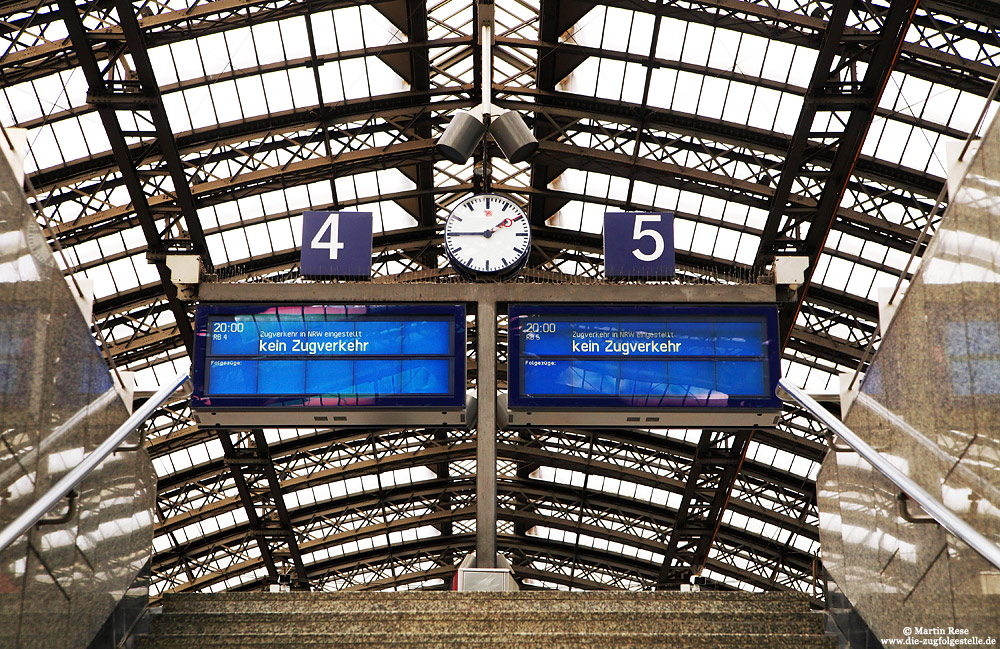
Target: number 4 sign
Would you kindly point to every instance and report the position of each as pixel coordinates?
(337, 244)
(639, 244)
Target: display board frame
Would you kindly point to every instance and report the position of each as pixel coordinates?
(628, 406)
(299, 407)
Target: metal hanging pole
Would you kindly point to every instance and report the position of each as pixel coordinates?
(486, 433)
(486, 36)
(486, 349)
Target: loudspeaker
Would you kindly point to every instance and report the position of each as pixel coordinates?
(461, 137)
(513, 136)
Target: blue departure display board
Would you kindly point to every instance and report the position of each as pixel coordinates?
(329, 356)
(598, 356)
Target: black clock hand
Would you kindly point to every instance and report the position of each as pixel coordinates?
(481, 233)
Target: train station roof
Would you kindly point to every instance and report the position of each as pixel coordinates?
(770, 128)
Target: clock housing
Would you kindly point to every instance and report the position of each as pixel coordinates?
(487, 237)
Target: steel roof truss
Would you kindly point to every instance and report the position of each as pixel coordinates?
(849, 105)
(122, 95)
(710, 481)
(249, 461)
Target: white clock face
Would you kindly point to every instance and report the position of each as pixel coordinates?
(487, 235)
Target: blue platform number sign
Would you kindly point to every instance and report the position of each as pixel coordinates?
(639, 244)
(337, 244)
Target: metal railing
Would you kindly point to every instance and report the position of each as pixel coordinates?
(34, 513)
(945, 517)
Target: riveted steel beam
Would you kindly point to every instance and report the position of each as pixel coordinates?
(713, 472)
(842, 106)
(252, 468)
(83, 43)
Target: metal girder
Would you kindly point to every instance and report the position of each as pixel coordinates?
(525, 550)
(784, 440)
(454, 544)
(895, 236)
(139, 93)
(568, 56)
(755, 18)
(849, 105)
(310, 170)
(559, 504)
(402, 494)
(343, 567)
(448, 451)
(654, 445)
(395, 497)
(619, 131)
(912, 180)
(143, 296)
(391, 53)
(537, 496)
(412, 61)
(168, 26)
(210, 474)
(713, 473)
(257, 181)
(128, 89)
(554, 18)
(644, 569)
(252, 469)
(750, 192)
(204, 146)
(376, 504)
(419, 78)
(761, 18)
(324, 476)
(560, 108)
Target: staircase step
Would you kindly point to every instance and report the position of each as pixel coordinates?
(520, 620)
(493, 622)
(393, 640)
(449, 601)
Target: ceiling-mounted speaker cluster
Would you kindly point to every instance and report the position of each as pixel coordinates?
(464, 132)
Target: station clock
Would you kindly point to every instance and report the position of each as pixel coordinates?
(487, 237)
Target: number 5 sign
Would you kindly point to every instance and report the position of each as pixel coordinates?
(337, 244)
(639, 244)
